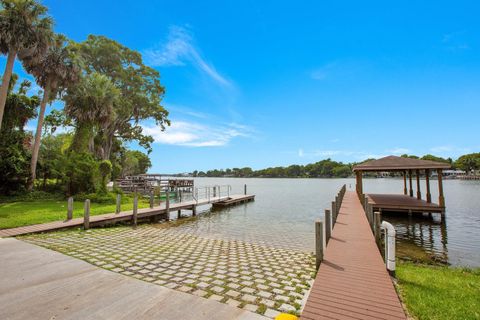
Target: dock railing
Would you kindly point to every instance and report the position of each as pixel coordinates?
(209, 192)
(323, 228)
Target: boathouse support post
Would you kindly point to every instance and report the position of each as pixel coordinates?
(378, 231)
(194, 210)
(179, 214)
(405, 182)
(118, 203)
(319, 242)
(86, 214)
(359, 185)
(410, 182)
(441, 198)
(328, 225)
(70, 208)
(419, 193)
(427, 182)
(135, 210)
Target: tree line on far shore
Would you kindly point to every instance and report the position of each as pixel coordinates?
(330, 169)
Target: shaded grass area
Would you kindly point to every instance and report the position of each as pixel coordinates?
(439, 292)
(17, 214)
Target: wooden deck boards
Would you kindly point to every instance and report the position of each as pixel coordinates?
(122, 216)
(400, 202)
(352, 281)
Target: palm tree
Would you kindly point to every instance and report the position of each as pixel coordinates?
(54, 72)
(90, 105)
(25, 30)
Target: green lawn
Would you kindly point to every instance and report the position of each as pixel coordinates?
(16, 214)
(432, 292)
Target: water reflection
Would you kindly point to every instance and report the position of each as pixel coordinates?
(284, 212)
(420, 237)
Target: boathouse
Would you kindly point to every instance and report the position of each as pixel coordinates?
(407, 167)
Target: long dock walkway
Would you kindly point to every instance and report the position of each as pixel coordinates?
(352, 281)
(110, 218)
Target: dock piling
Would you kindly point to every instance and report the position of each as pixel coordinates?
(328, 225)
(378, 231)
(135, 210)
(86, 214)
(245, 189)
(167, 206)
(334, 213)
(319, 242)
(70, 208)
(118, 203)
(151, 200)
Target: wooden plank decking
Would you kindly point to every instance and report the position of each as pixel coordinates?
(400, 202)
(352, 281)
(110, 218)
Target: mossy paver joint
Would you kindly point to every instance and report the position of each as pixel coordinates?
(258, 278)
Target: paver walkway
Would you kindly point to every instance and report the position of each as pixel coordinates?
(352, 282)
(37, 283)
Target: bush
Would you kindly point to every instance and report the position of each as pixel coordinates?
(81, 173)
(107, 198)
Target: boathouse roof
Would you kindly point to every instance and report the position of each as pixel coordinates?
(394, 163)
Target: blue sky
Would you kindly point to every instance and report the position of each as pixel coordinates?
(267, 83)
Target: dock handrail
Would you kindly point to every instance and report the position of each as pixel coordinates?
(207, 192)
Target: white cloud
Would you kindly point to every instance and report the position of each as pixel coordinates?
(441, 149)
(191, 134)
(399, 151)
(179, 50)
(322, 72)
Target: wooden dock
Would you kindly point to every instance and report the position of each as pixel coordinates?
(352, 281)
(401, 203)
(159, 212)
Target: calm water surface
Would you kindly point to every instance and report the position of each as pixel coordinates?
(284, 212)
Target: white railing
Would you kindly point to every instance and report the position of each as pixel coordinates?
(209, 192)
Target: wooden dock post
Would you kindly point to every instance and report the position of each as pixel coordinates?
(179, 214)
(167, 206)
(328, 225)
(86, 214)
(118, 206)
(214, 191)
(151, 199)
(135, 210)
(194, 210)
(334, 213)
(337, 205)
(70, 208)
(319, 244)
(245, 189)
(378, 222)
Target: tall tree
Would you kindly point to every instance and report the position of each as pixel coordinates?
(54, 72)
(140, 91)
(25, 30)
(14, 141)
(90, 105)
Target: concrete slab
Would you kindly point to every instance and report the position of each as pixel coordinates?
(38, 283)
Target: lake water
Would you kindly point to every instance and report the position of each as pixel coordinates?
(284, 212)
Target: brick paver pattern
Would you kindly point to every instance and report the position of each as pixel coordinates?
(258, 278)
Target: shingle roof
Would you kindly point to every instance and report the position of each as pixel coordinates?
(392, 163)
